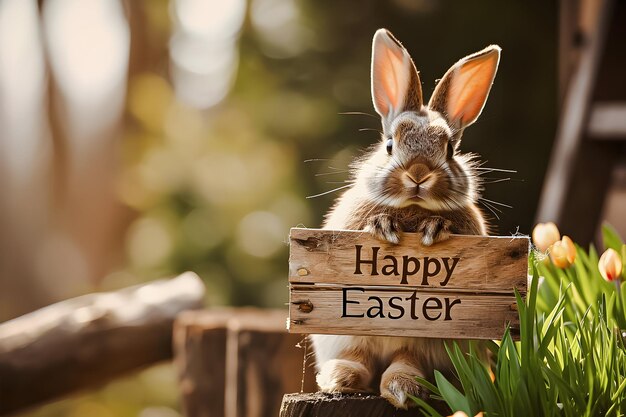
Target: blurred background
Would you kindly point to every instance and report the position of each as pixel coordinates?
(143, 138)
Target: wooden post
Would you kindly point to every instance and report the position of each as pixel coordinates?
(89, 340)
(354, 405)
(580, 169)
(238, 362)
(200, 357)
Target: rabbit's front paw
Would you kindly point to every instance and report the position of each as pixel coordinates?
(341, 375)
(434, 229)
(384, 227)
(398, 382)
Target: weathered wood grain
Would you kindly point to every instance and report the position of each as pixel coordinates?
(235, 362)
(87, 341)
(200, 358)
(485, 264)
(266, 364)
(347, 405)
(427, 313)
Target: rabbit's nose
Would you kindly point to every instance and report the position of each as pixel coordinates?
(414, 183)
(411, 181)
(417, 173)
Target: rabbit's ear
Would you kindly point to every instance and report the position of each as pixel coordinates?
(462, 92)
(396, 85)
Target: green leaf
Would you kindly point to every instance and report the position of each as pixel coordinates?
(456, 400)
(428, 385)
(611, 238)
(426, 409)
(623, 256)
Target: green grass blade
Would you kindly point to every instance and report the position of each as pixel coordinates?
(456, 400)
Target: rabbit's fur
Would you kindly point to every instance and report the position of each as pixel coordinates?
(414, 180)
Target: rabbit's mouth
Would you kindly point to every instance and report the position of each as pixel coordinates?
(418, 190)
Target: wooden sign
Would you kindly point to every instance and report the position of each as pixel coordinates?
(348, 282)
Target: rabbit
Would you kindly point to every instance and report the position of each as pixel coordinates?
(414, 180)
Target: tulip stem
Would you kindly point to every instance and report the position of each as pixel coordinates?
(618, 287)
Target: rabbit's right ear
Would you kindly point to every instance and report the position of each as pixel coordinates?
(396, 85)
(462, 92)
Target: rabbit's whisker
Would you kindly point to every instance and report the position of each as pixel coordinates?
(357, 113)
(496, 202)
(482, 168)
(367, 129)
(487, 203)
(495, 180)
(490, 209)
(337, 169)
(343, 171)
(330, 191)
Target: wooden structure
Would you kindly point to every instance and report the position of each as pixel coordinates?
(238, 362)
(591, 134)
(348, 282)
(87, 341)
(355, 405)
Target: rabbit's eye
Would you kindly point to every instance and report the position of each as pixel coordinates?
(450, 150)
(389, 146)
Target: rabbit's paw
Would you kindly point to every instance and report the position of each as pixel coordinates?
(434, 229)
(384, 227)
(397, 384)
(340, 375)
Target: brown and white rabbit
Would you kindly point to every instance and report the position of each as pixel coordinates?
(414, 180)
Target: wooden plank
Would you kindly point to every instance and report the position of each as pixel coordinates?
(347, 405)
(608, 121)
(461, 263)
(393, 311)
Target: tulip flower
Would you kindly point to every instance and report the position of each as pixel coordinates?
(463, 414)
(610, 265)
(563, 253)
(544, 235)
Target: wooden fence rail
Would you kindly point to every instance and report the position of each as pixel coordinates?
(89, 340)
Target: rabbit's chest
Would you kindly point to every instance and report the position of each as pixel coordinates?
(384, 348)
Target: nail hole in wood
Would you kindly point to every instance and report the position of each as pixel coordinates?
(304, 306)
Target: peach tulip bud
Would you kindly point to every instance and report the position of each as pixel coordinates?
(558, 255)
(462, 414)
(544, 235)
(571, 248)
(610, 265)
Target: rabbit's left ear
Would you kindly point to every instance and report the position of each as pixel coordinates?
(462, 92)
(396, 85)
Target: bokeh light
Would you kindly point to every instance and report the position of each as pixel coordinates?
(89, 45)
(204, 51)
(22, 83)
